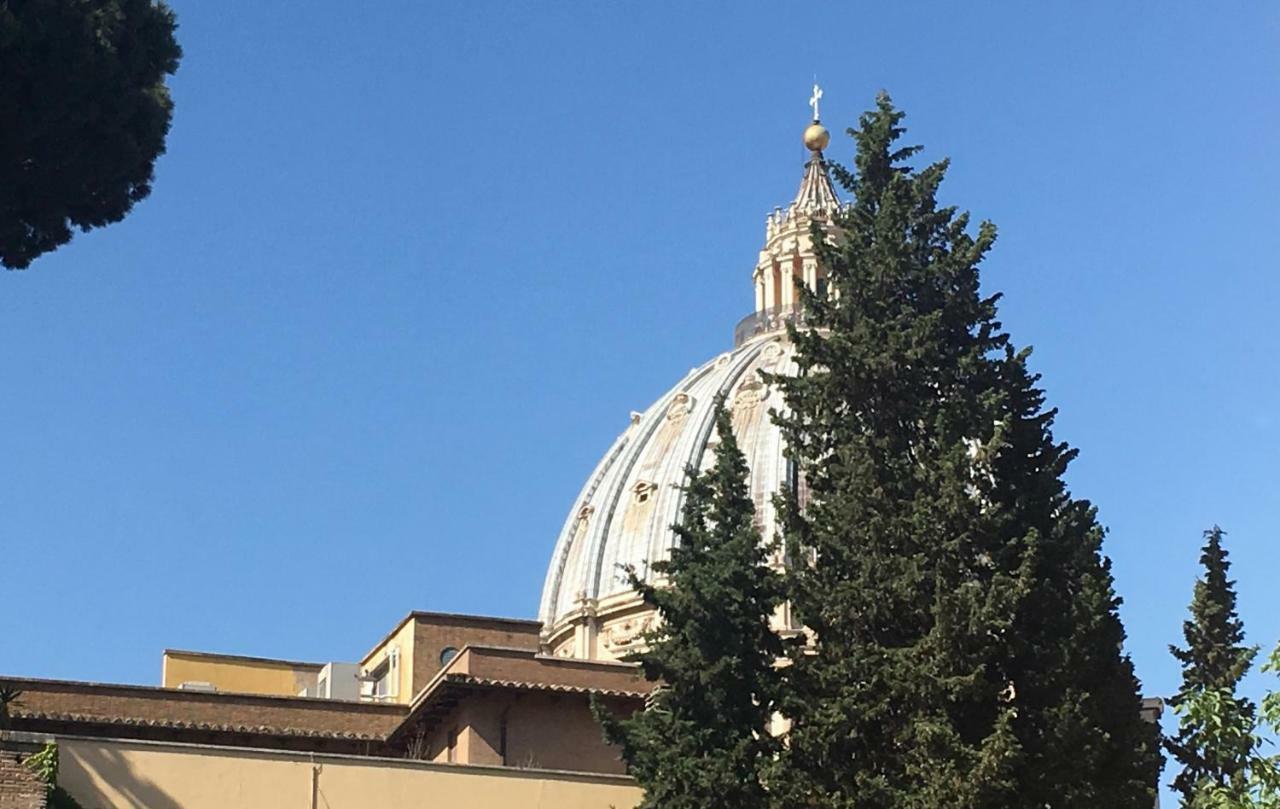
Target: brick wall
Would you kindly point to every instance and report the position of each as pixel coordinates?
(517, 708)
(504, 664)
(44, 701)
(19, 787)
(434, 633)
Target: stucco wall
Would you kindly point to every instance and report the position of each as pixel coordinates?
(401, 638)
(241, 675)
(540, 730)
(558, 732)
(109, 774)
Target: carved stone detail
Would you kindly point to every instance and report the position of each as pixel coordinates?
(750, 393)
(627, 633)
(771, 353)
(681, 405)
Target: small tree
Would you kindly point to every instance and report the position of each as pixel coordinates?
(1223, 725)
(1213, 663)
(85, 113)
(703, 739)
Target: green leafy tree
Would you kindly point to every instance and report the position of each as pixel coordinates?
(703, 740)
(1224, 723)
(85, 112)
(1214, 660)
(965, 645)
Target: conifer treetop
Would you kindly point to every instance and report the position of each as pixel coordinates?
(704, 738)
(964, 643)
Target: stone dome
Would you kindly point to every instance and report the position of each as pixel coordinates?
(623, 516)
(624, 513)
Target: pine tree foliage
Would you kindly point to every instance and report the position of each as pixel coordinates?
(703, 740)
(965, 645)
(84, 113)
(1214, 659)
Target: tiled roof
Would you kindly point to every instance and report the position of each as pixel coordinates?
(517, 685)
(97, 709)
(174, 724)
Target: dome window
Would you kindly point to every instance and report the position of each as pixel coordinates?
(644, 490)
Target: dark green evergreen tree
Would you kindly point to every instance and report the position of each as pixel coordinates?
(966, 646)
(84, 112)
(1214, 660)
(703, 740)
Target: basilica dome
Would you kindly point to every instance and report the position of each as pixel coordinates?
(623, 515)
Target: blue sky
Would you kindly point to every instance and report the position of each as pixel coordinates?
(406, 270)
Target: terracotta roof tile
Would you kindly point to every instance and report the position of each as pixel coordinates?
(127, 721)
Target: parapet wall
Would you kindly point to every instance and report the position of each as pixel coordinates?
(117, 774)
(76, 708)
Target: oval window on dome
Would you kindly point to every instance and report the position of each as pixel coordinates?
(446, 654)
(643, 489)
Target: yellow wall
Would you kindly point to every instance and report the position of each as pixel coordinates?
(241, 675)
(401, 638)
(114, 774)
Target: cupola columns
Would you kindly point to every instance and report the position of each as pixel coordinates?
(788, 257)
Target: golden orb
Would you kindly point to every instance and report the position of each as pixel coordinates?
(816, 137)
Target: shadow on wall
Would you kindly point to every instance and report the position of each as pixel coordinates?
(85, 772)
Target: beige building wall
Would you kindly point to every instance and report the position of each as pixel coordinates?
(524, 730)
(114, 774)
(559, 732)
(401, 641)
(237, 674)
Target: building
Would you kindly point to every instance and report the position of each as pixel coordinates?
(446, 708)
(450, 710)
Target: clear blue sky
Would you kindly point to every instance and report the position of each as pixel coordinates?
(408, 266)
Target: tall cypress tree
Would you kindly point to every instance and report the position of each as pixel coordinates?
(1214, 660)
(703, 739)
(964, 641)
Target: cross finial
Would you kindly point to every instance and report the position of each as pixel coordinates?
(814, 99)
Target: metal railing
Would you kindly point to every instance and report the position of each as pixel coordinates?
(775, 318)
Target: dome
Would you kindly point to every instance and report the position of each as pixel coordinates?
(624, 513)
